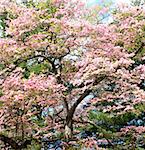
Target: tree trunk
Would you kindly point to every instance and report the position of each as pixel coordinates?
(69, 127)
(70, 112)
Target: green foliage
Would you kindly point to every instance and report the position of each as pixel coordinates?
(47, 5)
(34, 146)
(106, 120)
(2, 67)
(109, 125)
(1, 93)
(1, 103)
(39, 122)
(100, 116)
(3, 23)
(119, 43)
(34, 67)
(37, 68)
(140, 107)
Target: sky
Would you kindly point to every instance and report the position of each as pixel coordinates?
(93, 2)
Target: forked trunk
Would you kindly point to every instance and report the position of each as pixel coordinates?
(70, 112)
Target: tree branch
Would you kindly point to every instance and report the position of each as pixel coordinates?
(73, 108)
(20, 60)
(66, 105)
(80, 99)
(139, 49)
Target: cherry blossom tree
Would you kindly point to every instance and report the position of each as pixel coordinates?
(52, 57)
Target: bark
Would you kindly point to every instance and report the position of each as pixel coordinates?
(68, 130)
(70, 113)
